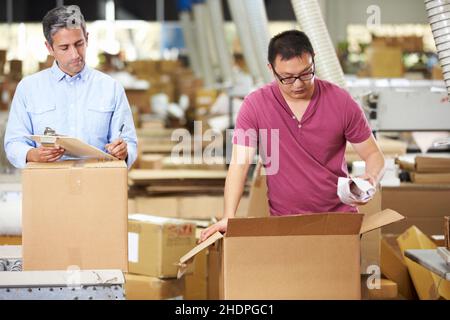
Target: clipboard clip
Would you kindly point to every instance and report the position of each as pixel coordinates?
(49, 137)
(49, 132)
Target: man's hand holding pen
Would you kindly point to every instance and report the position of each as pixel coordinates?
(118, 148)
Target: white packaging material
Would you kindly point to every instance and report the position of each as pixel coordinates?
(354, 191)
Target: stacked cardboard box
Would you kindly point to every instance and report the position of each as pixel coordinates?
(139, 98)
(385, 62)
(406, 43)
(187, 207)
(15, 70)
(155, 244)
(428, 170)
(391, 149)
(170, 181)
(423, 205)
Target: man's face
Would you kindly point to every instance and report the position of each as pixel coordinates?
(69, 50)
(302, 66)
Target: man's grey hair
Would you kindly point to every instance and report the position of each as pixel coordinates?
(63, 17)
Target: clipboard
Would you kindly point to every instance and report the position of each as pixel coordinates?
(73, 147)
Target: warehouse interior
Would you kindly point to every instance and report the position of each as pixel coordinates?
(185, 68)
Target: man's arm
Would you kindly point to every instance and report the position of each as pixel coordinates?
(123, 140)
(241, 159)
(370, 152)
(18, 148)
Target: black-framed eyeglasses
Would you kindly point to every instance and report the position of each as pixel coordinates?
(303, 77)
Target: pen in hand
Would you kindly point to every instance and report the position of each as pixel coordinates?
(121, 130)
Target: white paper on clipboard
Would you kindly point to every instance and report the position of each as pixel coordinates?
(74, 147)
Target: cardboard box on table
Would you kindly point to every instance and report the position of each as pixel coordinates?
(313, 256)
(75, 214)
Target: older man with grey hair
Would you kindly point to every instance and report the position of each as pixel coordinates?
(70, 98)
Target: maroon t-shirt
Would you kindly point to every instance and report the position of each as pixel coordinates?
(302, 176)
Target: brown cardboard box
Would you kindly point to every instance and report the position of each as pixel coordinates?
(168, 66)
(197, 282)
(215, 280)
(388, 290)
(205, 98)
(422, 205)
(10, 240)
(394, 267)
(131, 206)
(15, 70)
(438, 239)
(315, 256)
(391, 149)
(139, 98)
(144, 68)
(385, 62)
(156, 243)
(430, 178)
(189, 207)
(139, 287)
(151, 161)
(429, 286)
(370, 241)
(74, 213)
(432, 164)
(158, 206)
(200, 207)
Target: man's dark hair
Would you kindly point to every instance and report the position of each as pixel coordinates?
(289, 44)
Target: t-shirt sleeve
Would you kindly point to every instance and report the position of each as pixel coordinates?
(357, 128)
(246, 128)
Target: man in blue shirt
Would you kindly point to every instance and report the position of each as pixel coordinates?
(70, 98)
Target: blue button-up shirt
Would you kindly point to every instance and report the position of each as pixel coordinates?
(90, 106)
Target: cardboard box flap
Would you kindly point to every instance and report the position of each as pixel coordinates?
(189, 257)
(67, 164)
(380, 219)
(305, 224)
(156, 219)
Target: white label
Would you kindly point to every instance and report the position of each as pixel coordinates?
(133, 247)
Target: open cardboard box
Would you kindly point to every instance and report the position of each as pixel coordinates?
(309, 256)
